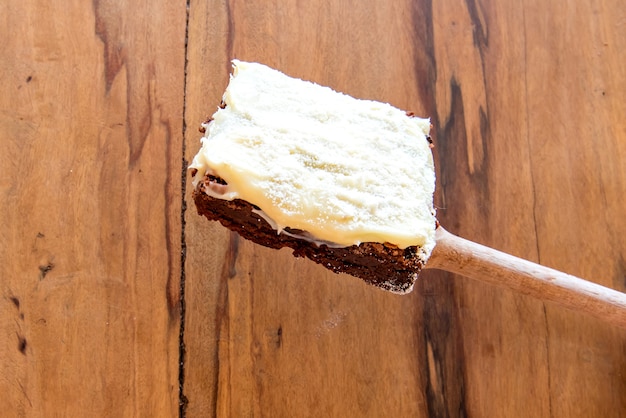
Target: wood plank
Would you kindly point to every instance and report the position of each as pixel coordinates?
(503, 148)
(580, 180)
(90, 121)
(265, 333)
(505, 84)
(513, 173)
(486, 194)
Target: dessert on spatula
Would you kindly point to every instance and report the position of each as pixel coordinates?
(349, 184)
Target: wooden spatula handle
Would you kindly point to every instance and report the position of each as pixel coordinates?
(475, 261)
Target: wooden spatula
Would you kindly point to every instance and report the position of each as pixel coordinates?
(476, 261)
(347, 174)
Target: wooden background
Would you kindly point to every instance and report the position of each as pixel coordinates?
(115, 294)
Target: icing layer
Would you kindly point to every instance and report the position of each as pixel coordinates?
(344, 170)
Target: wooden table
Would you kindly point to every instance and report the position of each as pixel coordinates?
(118, 300)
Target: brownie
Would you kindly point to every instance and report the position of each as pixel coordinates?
(382, 265)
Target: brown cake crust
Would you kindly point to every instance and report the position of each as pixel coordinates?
(382, 265)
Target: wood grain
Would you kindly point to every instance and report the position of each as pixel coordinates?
(91, 122)
(101, 102)
(491, 76)
(508, 198)
(279, 336)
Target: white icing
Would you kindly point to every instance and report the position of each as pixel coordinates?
(344, 170)
(303, 235)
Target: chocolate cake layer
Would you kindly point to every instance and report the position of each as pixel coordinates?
(382, 265)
